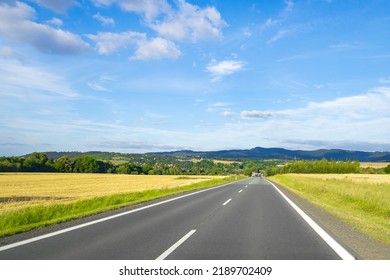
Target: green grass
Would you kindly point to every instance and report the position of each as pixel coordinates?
(15, 221)
(364, 204)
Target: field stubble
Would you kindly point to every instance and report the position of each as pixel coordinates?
(29, 200)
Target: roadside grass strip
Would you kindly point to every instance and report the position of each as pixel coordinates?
(361, 200)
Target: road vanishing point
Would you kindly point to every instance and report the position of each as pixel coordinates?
(249, 219)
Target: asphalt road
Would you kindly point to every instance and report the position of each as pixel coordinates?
(247, 219)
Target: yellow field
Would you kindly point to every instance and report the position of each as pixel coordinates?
(374, 164)
(217, 161)
(225, 161)
(27, 189)
(358, 178)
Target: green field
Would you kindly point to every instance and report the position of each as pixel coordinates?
(31, 200)
(362, 200)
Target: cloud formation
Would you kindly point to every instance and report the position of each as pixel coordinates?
(16, 23)
(223, 68)
(59, 6)
(19, 79)
(155, 48)
(108, 42)
(177, 23)
(342, 122)
(255, 114)
(183, 22)
(190, 22)
(105, 21)
(149, 9)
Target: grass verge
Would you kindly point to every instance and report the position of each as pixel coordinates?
(19, 220)
(364, 204)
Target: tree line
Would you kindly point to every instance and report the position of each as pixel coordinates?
(317, 166)
(39, 162)
(167, 165)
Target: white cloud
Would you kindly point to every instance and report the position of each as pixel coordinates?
(223, 68)
(290, 5)
(59, 6)
(97, 86)
(190, 22)
(101, 83)
(149, 9)
(16, 24)
(228, 114)
(344, 122)
(6, 52)
(268, 23)
(155, 48)
(219, 104)
(55, 22)
(246, 32)
(22, 80)
(372, 104)
(105, 21)
(181, 22)
(255, 114)
(278, 36)
(107, 42)
(346, 45)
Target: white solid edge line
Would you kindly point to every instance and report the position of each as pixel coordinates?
(344, 254)
(227, 201)
(20, 243)
(177, 244)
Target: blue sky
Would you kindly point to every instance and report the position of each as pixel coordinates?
(142, 76)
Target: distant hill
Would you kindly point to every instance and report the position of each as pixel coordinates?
(257, 153)
(95, 154)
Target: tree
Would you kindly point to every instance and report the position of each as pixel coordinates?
(37, 162)
(85, 164)
(146, 168)
(63, 164)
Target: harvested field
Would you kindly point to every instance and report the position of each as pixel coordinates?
(26, 189)
(31, 200)
(375, 165)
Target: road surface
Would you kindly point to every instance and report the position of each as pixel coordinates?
(248, 219)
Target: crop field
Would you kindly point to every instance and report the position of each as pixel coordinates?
(26, 189)
(362, 200)
(374, 164)
(29, 200)
(217, 161)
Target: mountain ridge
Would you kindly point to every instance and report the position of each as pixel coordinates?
(260, 153)
(257, 153)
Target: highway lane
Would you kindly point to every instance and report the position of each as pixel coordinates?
(256, 224)
(246, 219)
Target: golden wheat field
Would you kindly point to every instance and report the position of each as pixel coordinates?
(374, 164)
(27, 189)
(358, 178)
